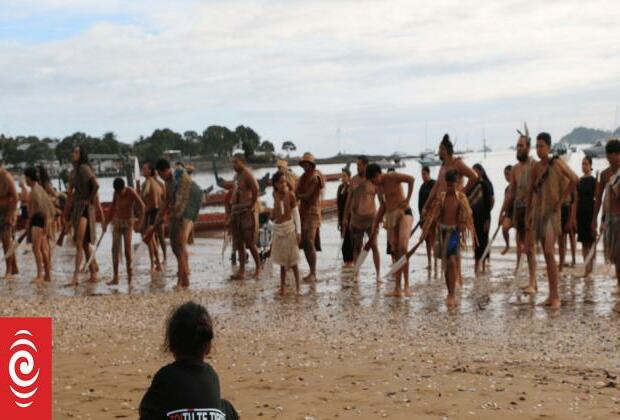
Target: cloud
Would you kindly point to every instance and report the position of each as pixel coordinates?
(302, 70)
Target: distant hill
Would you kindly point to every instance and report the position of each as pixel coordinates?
(581, 135)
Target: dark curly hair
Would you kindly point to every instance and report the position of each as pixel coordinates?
(189, 331)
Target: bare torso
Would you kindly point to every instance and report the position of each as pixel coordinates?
(123, 203)
(283, 206)
(392, 191)
(245, 184)
(450, 211)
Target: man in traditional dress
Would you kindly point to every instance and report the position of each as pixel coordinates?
(8, 217)
(244, 216)
(82, 205)
(182, 204)
(151, 194)
(551, 182)
(451, 219)
(449, 163)
(516, 198)
(308, 193)
(396, 216)
(608, 199)
(359, 213)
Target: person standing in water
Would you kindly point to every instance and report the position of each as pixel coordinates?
(516, 199)
(121, 217)
(8, 217)
(423, 194)
(360, 212)
(286, 230)
(82, 204)
(41, 213)
(244, 217)
(481, 201)
(552, 181)
(506, 223)
(398, 218)
(586, 193)
(182, 204)
(341, 201)
(608, 199)
(308, 192)
(151, 193)
(451, 216)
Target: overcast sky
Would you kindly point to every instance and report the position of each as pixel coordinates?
(358, 76)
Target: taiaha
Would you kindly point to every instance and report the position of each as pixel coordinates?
(15, 245)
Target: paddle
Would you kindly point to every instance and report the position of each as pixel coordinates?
(225, 244)
(414, 229)
(590, 255)
(15, 245)
(92, 255)
(488, 248)
(398, 265)
(361, 257)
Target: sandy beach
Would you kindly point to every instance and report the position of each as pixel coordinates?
(342, 349)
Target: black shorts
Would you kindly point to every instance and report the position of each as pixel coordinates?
(565, 211)
(37, 220)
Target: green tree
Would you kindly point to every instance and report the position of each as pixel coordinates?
(248, 139)
(266, 146)
(288, 147)
(218, 140)
(37, 151)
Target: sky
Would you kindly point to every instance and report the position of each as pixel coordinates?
(357, 76)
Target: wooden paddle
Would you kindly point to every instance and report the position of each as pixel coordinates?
(15, 245)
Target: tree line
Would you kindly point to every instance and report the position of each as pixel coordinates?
(214, 142)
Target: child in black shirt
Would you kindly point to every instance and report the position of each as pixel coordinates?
(188, 388)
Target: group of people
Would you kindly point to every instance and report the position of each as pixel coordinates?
(545, 202)
(171, 200)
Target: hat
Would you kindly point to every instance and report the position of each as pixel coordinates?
(282, 163)
(309, 158)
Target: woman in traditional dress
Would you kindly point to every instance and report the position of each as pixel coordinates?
(481, 200)
(343, 192)
(585, 210)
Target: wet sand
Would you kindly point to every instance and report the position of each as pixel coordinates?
(342, 350)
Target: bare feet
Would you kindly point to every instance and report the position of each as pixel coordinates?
(394, 293)
(378, 279)
(112, 282)
(505, 250)
(74, 281)
(48, 277)
(310, 278)
(451, 301)
(552, 303)
(237, 276)
(257, 274)
(407, 292)
(529, 290)
(281, 291)
(37, 279)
